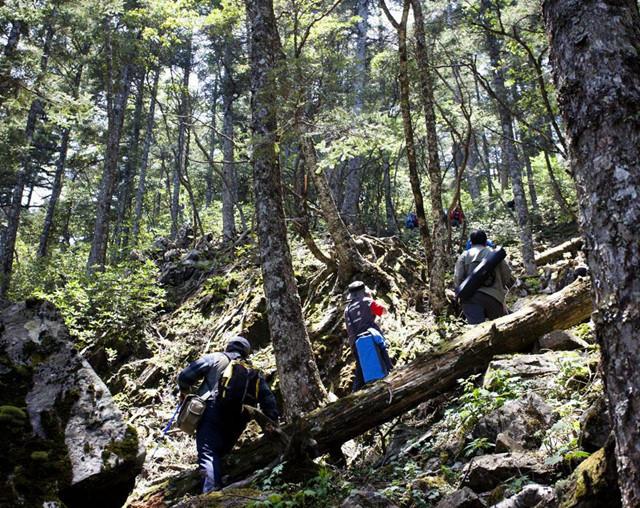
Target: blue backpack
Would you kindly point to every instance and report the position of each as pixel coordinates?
(372, 354)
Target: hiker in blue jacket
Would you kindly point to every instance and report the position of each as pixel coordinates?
(217, 431)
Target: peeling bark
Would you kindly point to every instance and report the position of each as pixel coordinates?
(595, 52)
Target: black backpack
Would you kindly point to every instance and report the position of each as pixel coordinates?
(238, 385)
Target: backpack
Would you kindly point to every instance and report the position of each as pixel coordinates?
(191, 411)
(372, 354)
(482, 275)
(238, 384)
(411, 220)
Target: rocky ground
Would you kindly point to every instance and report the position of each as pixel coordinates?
(531, 430)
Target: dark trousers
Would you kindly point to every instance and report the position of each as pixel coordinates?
(211, 445)
(481, 307)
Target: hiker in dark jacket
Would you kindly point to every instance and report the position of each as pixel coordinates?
(359, 315)
(488, 301)
(217, 432)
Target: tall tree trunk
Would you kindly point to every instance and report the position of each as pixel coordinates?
(125, 191)
(350, 261)
(353, 188)
(208, 193)
(144, 160)
(509, 151)
(116, 108)
(58, 179)
(471, 173)
(300, 381)
(181, 155)
(439, 241)
(531, 184)
(6, 84)
(596, 58)
(228, 168)
(403, 81)
(15, 210)
(392, 224)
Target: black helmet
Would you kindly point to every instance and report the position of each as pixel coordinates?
(240, 345)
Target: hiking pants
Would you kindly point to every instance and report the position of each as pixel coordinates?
(481, 307)
(211, 445)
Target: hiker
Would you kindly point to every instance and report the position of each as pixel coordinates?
(490, 243)
(360, 316)
(456, 217)
(220, 426)
(411, 220)
(488, 300)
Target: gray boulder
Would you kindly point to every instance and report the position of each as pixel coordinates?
(64, 440)
(528, 367)
(532, 496)
(463, 498)
(487, 471)
(517, 424)
(366, 499)
(560, 340)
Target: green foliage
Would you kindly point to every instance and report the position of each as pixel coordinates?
(478, 447)
(476, 401)
(322, 490)
(108, 309)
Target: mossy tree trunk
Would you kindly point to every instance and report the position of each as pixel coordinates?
(595, 52)
(299, 378)
(439, 227)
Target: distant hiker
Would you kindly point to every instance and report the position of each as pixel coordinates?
(360, 317)
(227, 382)
(487, 302)
(467, 245)
(411, 220)
(456, 217)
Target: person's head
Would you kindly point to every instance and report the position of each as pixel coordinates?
(478, 237)
(239, 345)
(357, 289)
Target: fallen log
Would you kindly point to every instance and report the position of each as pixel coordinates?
(406, 387)
(555, 253)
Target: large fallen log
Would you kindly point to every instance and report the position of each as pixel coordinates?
(555, 253)
(406, 387)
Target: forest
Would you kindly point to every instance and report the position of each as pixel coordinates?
(177, 175)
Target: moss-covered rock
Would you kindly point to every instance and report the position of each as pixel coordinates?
(593, 484)
(64, 440)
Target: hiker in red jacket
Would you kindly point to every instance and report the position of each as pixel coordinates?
(359, 315)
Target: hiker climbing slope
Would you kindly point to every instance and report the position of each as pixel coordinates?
(224, 419)
(487, 302)
(360, 317)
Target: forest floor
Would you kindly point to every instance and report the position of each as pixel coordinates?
(414, 460)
